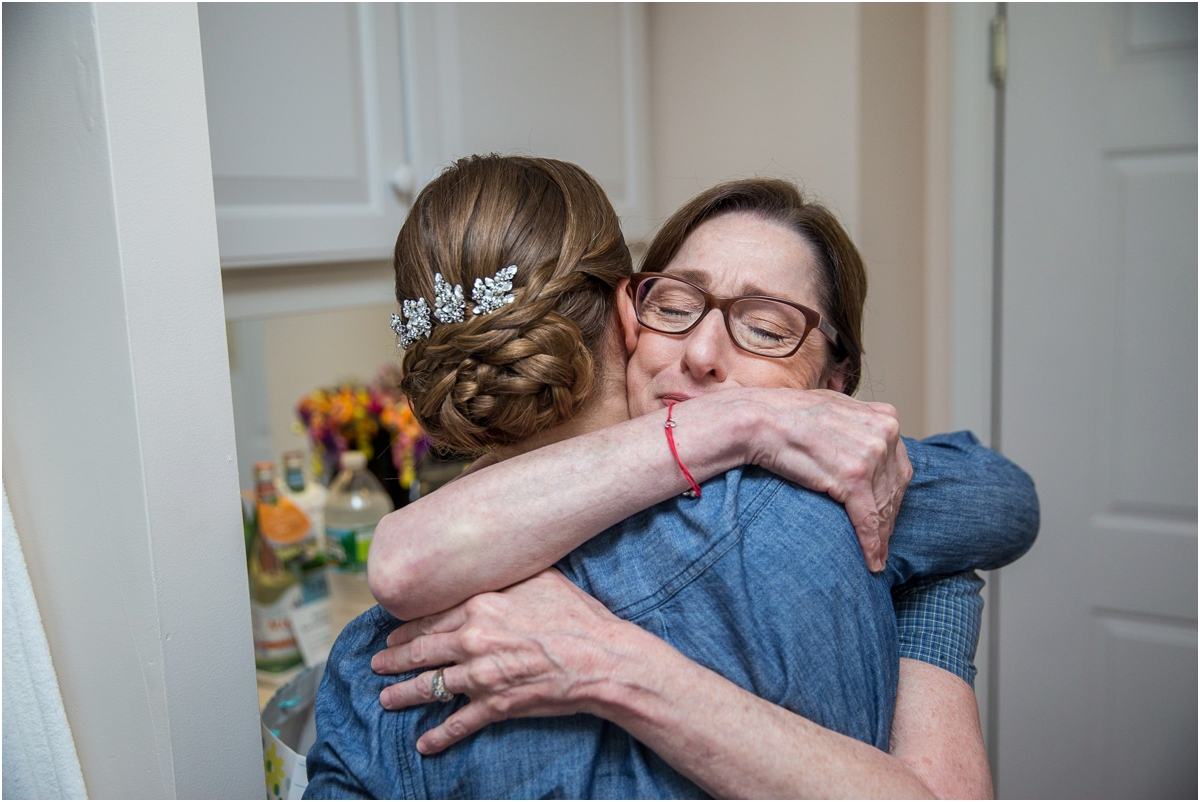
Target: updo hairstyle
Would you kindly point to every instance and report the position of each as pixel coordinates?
(499, 378)
(842, 278)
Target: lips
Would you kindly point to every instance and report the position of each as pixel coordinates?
(673, 398)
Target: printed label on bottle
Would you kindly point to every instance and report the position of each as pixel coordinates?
(283, 523)
(355, 543)
(274, 640)
(312, 622)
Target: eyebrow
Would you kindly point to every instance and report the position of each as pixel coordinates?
(702, 279)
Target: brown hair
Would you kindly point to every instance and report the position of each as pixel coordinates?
(842, 280)
(499, 378)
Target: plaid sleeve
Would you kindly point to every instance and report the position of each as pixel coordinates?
(938, 619)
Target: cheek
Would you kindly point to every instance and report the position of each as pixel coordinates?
(810, 364)
(638, 374)
(803, 370)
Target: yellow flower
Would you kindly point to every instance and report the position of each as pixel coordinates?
(273, 768)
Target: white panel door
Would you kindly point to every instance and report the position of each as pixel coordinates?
(561, 80)
(304, 104)
(1097, 644)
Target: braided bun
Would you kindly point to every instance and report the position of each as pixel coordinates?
(499, 378)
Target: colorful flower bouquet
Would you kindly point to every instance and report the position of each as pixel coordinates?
(371, 419)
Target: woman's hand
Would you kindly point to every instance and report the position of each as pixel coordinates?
(541, 647)
(829, 442)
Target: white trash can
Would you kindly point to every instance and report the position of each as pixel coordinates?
(289, 728)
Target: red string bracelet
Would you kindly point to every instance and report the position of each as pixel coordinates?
(669, 425)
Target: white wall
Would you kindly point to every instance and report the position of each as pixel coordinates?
(118, 432)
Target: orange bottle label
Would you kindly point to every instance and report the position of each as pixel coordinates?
(283, 523)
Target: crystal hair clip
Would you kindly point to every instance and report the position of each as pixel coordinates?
(489, 294)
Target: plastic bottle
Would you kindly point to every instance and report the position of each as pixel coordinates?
(356, 503)
(274, 589)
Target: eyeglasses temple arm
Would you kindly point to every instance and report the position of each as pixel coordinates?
(830, 332)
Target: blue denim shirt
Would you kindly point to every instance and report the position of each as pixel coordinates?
(759, 580)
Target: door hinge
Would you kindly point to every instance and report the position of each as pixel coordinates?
(999, 50)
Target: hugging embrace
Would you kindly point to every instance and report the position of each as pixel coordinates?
(686, 561)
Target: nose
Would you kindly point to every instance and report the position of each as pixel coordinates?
(708, 349)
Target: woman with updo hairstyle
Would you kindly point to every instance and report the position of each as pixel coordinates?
(503, 377)
(753, 652)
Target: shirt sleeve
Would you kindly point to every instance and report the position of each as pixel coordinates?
(967, 508)
(938, 619)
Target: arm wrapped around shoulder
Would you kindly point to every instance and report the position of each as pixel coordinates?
(967, 508)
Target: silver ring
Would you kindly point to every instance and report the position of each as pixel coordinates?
(439, 687)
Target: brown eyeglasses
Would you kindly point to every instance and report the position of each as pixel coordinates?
(759, 324)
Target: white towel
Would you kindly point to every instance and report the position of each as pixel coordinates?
(40, 761)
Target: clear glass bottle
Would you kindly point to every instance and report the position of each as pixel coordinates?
(308, 495)
(274, 589)
(356, 503)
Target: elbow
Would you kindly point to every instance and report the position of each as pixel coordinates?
(1019, 510)
(393, 574)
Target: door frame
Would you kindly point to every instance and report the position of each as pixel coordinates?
(972, 234)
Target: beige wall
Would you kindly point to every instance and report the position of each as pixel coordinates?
(892, 203)
(754, 89)
(318, 349)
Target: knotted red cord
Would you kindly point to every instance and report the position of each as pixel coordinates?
(669, 425)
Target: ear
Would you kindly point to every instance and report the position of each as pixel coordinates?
(835, 376)
(630, 328)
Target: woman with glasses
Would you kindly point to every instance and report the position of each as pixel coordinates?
(734, 299)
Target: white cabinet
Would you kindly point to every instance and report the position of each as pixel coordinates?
(324, 118)
(305, 129)
(563, 80)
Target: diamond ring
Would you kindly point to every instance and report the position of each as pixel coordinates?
(439, 687)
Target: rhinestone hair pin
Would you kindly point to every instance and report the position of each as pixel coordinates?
(417, 326)
(448, 304)
(489, 294)
(492, 293)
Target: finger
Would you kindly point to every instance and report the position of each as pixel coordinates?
(419, 689)
(866, 521)
(446, 621)
(426, 650)
(462, 722)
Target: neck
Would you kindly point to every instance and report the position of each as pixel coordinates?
(609, 407)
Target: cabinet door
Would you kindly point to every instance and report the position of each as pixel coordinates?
(563, 80)
(304, 115)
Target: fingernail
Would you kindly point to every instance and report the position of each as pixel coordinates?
(376, 663)
(422, 748)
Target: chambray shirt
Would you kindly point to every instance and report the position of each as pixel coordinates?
(760, 581)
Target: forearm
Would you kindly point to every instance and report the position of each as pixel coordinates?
(730, 742)
(506, 522)
(936, 732)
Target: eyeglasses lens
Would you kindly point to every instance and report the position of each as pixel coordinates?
(668, 305)
(761, 326)
(766, 327)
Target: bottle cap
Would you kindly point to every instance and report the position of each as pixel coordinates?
(293, 459)
(353, 460)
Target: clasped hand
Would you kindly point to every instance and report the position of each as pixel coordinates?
(538, 648)
(850, 449)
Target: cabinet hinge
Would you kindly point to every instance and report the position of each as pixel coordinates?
(999, 50)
